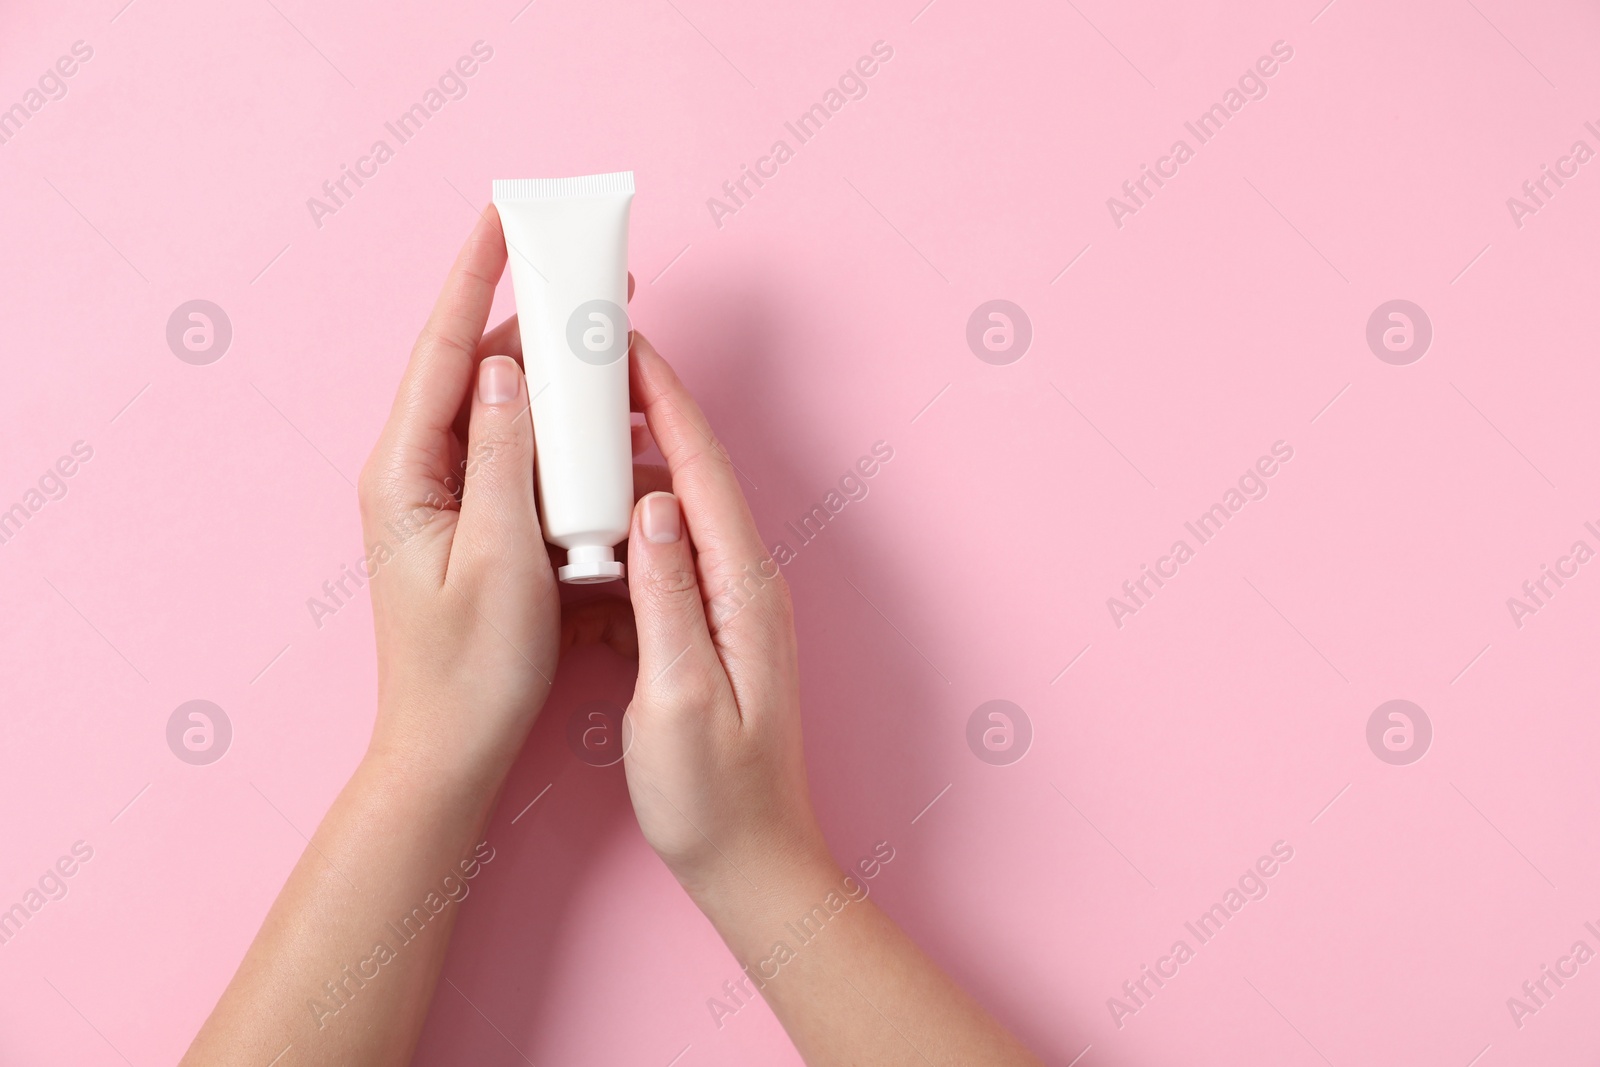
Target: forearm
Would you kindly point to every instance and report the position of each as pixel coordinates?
(847, 984)
(346, 961)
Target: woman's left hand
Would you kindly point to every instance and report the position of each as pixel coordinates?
(464, 597)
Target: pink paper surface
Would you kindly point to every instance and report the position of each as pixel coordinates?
(1178, 336)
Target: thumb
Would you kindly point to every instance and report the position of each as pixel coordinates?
(499, 526)
(678, 665)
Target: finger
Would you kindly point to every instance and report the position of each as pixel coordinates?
(647, 478)
(504, 340)
(604, 621)
(719, 521)
(445, 356)
(499, 527)
(415, 456)
(678, 665)
(630, 285)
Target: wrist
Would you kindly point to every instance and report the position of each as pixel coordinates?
(750, 901)
(436, 774)
(450, 736)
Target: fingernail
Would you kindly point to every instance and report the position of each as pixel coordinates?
(499, 380)
(661, 521)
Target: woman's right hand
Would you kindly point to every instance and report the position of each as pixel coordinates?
(717, 774)
(714, 759)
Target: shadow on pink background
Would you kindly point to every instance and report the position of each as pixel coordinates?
(1175, 341)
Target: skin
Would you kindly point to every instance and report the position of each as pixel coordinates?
(469, 632)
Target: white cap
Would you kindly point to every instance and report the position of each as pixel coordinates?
(590, 564)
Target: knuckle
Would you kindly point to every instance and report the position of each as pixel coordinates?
(433, 338)
(495, 445)
(374, 485)
(683, 690)
(672, 582)
(782, 600)
(757, 591)
(697, 460)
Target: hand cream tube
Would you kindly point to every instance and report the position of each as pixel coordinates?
(567, 241)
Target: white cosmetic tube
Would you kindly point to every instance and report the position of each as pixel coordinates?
(567, 241)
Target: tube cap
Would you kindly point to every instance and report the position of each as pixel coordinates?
(590, 564)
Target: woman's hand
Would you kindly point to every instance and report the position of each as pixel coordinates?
(468, 628)
(465, 601)
(714, 758)
(716, 770)
(464, 596)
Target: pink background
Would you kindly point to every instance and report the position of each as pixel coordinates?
(1227, 314)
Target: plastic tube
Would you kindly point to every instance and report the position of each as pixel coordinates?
(567, 242)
